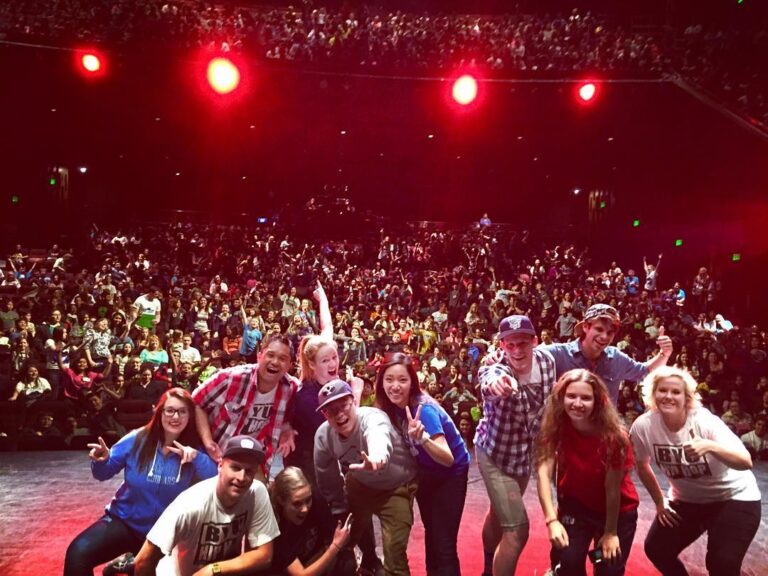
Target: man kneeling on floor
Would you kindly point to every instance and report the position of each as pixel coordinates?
(201, 533)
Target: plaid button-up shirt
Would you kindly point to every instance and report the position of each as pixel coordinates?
(510, 425)
(227, 397)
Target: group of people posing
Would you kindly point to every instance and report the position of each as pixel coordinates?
(256, 471)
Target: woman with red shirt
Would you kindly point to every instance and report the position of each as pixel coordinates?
(582, 438)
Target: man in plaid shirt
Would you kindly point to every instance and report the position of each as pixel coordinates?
(515, 386)
(252, 399)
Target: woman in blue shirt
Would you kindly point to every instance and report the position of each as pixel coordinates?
(160, 460)
(441, 456)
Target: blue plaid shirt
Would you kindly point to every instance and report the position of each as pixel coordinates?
(510, 425)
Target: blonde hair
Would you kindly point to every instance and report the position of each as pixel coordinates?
(286, 483)
(651, 382)
(308, 349)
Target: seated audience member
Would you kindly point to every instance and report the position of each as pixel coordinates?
(756, 440)
(222, 525)
(736, 419)
(310, 542)
(146, 386)
(159, 461)
(31, 387)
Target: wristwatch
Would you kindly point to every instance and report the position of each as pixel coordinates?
(215, 569)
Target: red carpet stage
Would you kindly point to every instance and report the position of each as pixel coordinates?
(47, 498)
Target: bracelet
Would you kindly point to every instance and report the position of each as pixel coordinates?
(548, 522)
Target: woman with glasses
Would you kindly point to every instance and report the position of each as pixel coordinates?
(160, 460)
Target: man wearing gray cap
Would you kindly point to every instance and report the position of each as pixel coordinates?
(201, 533)
(514, 384)
(363, 466)
(593, 351)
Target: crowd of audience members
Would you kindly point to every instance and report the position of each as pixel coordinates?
(728, 62)
(84, 333)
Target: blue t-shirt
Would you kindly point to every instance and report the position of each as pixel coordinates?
(250, 341)
(144, 495)
(436, 421)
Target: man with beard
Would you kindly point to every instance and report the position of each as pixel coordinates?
(251, 399)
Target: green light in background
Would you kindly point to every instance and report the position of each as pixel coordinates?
(602, 205)
(52, 182)
(678, 242)
(736, 257)
(14, 199)
(636, 223)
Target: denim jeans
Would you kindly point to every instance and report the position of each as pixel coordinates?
(102, 541)
(730, 526)
(441, 504)
(585, 527)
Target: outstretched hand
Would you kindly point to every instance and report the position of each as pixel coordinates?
(369, 464)
(99, 452)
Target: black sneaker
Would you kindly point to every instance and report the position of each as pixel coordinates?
(120, 566)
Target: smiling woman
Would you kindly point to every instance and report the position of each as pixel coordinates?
(711, 489)
(160, 460)
(582, 438)
(309, 542)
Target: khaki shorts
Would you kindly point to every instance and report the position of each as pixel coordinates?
(504, 491)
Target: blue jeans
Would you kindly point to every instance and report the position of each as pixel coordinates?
(730, 526)
(441, 504)
(585, 527)
(102, 541)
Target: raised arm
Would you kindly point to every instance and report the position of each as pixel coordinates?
(326, 321)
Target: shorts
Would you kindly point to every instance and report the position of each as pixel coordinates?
(504, 491)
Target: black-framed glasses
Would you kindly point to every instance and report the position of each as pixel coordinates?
(171, 412)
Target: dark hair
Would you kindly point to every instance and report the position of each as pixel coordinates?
(415, 395)
(278, 338)
(152, 433)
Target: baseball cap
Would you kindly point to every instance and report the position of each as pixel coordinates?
(244, 446)
(331, 392)
(597, 311)
(516, 324)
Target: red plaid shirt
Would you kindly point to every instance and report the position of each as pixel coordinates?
(227, 398)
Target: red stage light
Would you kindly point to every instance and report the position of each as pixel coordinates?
(465, 90)
(587, 91)
(91, 62)
(223, 75)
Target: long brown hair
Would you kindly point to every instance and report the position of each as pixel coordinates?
(608, 426)
(152, 433)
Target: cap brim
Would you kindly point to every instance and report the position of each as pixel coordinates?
(506, 333)
(332, 400)
(244, 454)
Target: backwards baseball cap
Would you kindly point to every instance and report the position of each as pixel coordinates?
(244, 446)
(516, 324)
(331, 392)
(597, 311)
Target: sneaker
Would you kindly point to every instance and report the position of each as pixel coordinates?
(122, 565)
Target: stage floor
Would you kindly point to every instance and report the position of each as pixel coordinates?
(47, 498)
